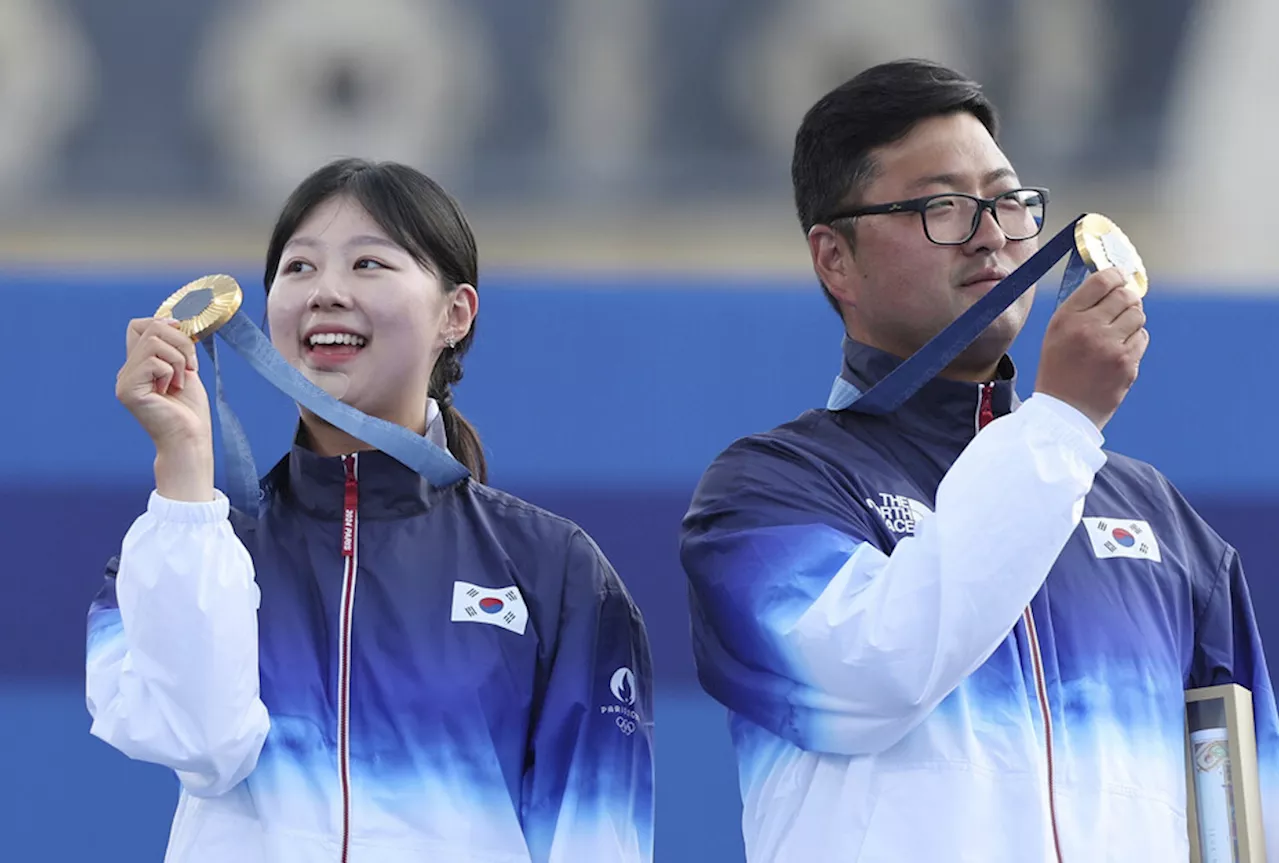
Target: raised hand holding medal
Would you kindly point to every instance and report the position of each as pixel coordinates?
(160, 385)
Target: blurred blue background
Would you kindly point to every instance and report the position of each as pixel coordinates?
(645, 293)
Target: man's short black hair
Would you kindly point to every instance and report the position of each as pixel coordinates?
(880, 105)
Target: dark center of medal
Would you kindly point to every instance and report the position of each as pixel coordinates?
(193, 304)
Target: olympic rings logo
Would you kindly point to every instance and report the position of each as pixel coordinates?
(626, 725)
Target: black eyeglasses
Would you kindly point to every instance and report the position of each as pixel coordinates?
(951, 219)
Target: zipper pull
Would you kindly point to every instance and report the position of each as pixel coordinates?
(985, 413)
(350, 499)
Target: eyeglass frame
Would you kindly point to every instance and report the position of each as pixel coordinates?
(918, 205)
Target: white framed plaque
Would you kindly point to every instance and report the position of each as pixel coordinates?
(1224, 804)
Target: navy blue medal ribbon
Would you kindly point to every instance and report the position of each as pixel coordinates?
(893, 389)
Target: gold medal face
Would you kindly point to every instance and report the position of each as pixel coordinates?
(1102, 244)
(202, 306)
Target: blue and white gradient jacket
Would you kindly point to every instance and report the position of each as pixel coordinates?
(377, 671)
(944, 644)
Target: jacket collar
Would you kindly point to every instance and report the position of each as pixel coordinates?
(385, 487)
(941, 407)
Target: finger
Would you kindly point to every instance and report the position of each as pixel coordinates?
(159, 374)
(166, 351)
(163, 332)
(134, 331)
(155, 349)
(1094, 289)
(179, 379)
(140, 328)
(1118, 302)
(1129, 321)
(181, 357)
(171, 335)
(1139, 341)
(170, 353)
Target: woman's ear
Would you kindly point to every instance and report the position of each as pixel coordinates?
(464, 303)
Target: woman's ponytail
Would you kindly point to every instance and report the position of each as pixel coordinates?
(462, 437)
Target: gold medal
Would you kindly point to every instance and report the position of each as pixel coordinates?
(202, 306)
(1102, 244)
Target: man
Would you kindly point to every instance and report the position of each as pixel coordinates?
(961, 630)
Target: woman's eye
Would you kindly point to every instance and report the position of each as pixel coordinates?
(368, 264)
(297, 267)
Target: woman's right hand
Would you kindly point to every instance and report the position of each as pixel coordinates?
(160, 386)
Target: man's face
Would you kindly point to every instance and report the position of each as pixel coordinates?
(896, 287)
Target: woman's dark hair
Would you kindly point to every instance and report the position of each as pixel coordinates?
(427, 222)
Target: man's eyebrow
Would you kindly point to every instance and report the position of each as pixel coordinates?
(955, 179)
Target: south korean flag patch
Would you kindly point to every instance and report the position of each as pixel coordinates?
(1122, 537)
(501, 606)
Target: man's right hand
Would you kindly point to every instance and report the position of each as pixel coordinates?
(160, 386)
(1093, 346)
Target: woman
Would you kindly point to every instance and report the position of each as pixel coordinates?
(318, 676)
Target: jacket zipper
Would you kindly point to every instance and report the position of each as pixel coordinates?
(350, 541)
(985, 415)
(985, 412)
(1042, 699)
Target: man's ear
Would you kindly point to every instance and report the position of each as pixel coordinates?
(832, 255)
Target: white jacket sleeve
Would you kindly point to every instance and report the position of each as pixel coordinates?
(808, 628)
(172, 658)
